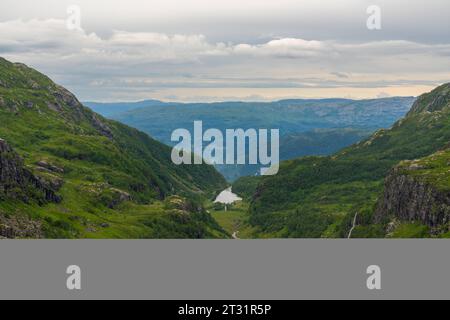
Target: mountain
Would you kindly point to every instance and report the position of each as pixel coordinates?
(319, 142)
(320, 196)
(307, 127)
(290, 116)
(110, 109)
(71, 173)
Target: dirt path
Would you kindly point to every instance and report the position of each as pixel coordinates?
(235, 235)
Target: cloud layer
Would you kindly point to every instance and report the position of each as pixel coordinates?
(134, 65)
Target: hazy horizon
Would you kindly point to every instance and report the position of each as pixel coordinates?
(231, 101)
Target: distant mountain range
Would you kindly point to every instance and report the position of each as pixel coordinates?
(111, 109)
(307, 127)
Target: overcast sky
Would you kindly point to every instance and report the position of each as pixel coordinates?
(211, 50)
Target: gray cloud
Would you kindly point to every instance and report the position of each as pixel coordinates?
(250, 21)
(132, 65)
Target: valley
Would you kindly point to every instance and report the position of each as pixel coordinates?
(351, 169)
(307, 127)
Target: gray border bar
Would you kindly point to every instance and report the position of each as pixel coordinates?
(225, 269)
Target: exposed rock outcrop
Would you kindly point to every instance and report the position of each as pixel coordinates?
(19, 227)
(118, 197)
(437, 100)
(410, 199)
(18, 182)
(101, 126)
(49, 167)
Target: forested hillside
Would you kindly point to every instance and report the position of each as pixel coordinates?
(72, 173)
(320, 196)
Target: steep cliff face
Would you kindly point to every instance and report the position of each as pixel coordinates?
(410, 199)
(19, 183)
(419, 191)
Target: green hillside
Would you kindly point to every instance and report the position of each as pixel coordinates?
(433, 170)
(319, 142)
(112, 181)
(319, 196)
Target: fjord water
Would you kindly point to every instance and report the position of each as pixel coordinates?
(227, 197)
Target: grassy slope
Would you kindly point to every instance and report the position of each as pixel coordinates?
(319, 142)
(42, 121)
(433, 170)
(236, 219)
(318, 196)
(245, 187)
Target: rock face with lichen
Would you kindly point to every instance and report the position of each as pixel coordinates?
(17, 182)
(418, 191)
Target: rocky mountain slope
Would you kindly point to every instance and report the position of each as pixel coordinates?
(419, 191)
(81, 175)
